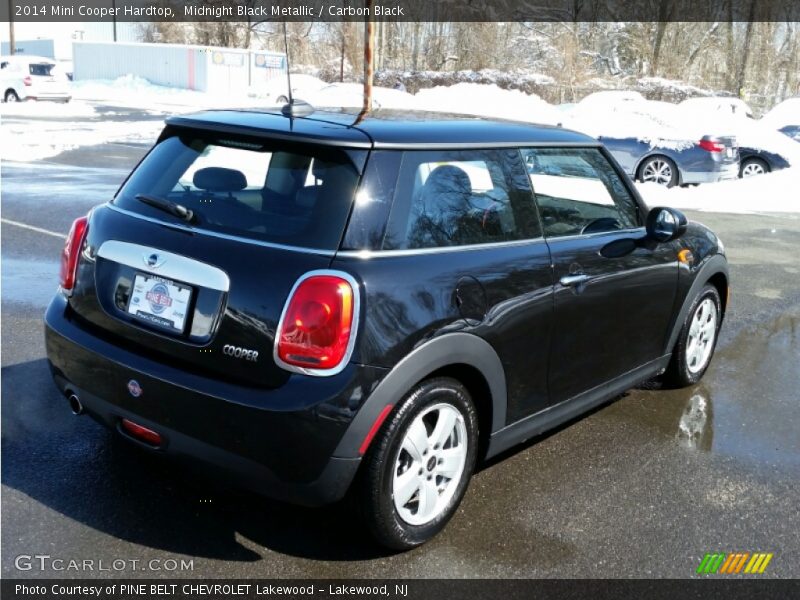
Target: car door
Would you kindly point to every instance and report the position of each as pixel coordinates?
(613, 289)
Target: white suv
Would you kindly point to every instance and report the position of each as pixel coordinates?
(32, 78)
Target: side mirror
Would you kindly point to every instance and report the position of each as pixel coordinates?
(665, 224)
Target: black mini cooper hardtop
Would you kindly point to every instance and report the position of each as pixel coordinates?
(334, 303)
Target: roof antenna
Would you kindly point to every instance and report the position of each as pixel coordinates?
(292, 109)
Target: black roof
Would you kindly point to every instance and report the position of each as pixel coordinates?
(384, 128)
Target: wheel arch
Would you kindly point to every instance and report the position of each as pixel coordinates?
(713, 271)
(465, 357)
(657, 154)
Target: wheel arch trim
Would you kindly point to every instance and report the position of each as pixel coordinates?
(447, 350)
(717, 264)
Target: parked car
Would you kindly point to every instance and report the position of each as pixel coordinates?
(396, 298)
(651, 143)
(13, 83)
(785, 117)
(40, 79)
(761, 150)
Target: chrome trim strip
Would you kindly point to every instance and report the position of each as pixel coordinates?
(351, 343)
(481, 145)
(367, 254)
(588, 236)
(223, 236)
(171, 266)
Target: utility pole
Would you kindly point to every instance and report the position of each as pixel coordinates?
(114, 17)
(369, 58)
(12, 46)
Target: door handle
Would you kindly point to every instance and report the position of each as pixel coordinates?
(574, 280)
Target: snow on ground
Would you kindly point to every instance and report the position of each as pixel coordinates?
(31, 140)
(770, 193)
(71, 110)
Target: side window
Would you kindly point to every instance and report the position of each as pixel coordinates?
(579, 192)
(456, 198)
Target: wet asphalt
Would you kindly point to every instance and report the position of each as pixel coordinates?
(641, 487)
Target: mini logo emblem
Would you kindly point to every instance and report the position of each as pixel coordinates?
(153, 260)
(134, 389)
(158, 297)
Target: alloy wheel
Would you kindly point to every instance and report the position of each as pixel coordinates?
(702, 333)
(657, 171)
(429, 464)
(753, 168)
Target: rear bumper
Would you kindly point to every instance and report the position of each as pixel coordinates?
(279, 443)
(50, 97)
(717, 172)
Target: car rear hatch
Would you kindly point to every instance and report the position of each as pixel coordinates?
(47, 81)
(724, 149)
(206, 293)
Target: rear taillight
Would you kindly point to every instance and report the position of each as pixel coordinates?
(71, 252)
(141, 433)
(27, 80)
(318, 327)
(712, 145)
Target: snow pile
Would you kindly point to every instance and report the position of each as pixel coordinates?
(351, 95)
(625, 114)
(785, 113)
(136, 92)
(770, 193)
(659, 88)
(489, 101)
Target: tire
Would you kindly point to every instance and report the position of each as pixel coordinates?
(658, 169)
(753, 166)
(690, 359)
(10, 96)
(401, 525)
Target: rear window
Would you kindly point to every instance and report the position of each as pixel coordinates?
(41, 69)
(291, 194)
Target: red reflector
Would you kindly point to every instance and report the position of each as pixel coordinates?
(141, 433)
(711, 146)
(71, 252)
(374, 429)
(317, 323)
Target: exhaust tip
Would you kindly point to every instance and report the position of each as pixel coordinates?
(75, 404)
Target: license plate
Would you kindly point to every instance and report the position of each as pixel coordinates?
(160, 301)
(729, 152)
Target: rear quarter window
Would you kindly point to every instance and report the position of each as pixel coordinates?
(458, 198)
(290, 194)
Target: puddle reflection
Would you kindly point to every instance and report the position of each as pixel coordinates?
(695, 429)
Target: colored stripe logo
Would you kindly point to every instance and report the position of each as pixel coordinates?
(734, 563)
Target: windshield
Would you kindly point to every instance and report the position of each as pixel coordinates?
(292, 194)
